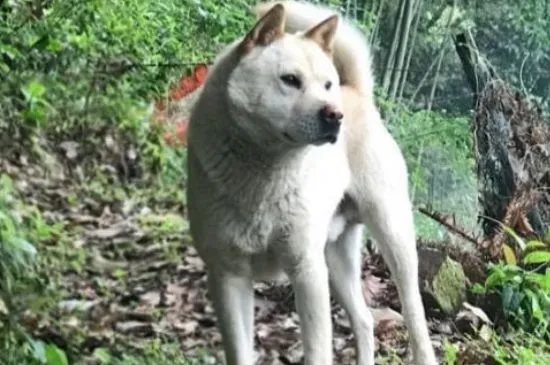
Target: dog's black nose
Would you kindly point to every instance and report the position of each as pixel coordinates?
(330, 120)
(331, 115)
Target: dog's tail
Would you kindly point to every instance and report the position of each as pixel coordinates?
(352, 56)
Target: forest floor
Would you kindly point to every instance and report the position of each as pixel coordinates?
(125, 285)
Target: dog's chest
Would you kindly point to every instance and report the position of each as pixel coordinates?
(266, 214)
(272, 209)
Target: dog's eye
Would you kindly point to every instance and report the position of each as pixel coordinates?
(292, 80)
(328, 85)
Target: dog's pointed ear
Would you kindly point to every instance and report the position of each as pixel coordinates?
(267, 29)
(324, 33)
(261, 9)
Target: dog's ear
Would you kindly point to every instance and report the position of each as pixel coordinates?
(259, 10)
(323, 33)
(268, 29)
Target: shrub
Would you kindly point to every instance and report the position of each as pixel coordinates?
(522, 283)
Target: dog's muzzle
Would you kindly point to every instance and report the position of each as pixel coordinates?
(331, 119)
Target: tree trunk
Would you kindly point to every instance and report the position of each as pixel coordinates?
(379, 10)
(390, 60)
(405, 74)
(402, 46)
(477, 72)
(436, 76)
(425, 77)
(511, 140)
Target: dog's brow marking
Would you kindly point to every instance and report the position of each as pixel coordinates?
(317, 62)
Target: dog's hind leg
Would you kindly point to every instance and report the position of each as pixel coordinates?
(344, 262)
(390, 223)
(233, 299)
(380, 190)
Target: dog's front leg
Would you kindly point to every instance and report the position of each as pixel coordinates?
(309, 278)
(344, 262)
(233, 299)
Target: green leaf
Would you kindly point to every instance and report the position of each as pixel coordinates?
(4, 67)
(478, 289)
(38, 350)
(507, 297)
(3, 308)
(536, 311)
(494, 279)
(545, 281)
(533, 244)
(537, 257)
(25, 246)
(8, 51)
(55, 45)
(34, 90)
(36, 113)
(102, 355)
(519, 241)
(56, 356)
(509, 255)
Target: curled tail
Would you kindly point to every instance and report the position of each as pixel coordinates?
(352, 56)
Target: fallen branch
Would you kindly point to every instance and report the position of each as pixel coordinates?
(451, 227)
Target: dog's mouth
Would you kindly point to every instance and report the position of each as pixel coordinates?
(289, 138)
(326, 138)
(329, 138)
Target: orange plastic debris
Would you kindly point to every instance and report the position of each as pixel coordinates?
(184, 87)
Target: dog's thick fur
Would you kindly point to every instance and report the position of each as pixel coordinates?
(268, 192)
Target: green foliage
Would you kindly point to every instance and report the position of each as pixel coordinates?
(72, 69)
(20, 286)
(522, 284)
(450, 353)
(438, 151)
(35, 352)
(17, 257)
(525, 295)
(520, 348)
(76, 68)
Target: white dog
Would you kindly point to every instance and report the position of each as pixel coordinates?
(287, 160)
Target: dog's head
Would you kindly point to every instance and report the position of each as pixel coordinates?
(285, 88)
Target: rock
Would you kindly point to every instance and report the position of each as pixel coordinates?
(385, 319)
(135, 328)
(70, 148)
(471, 319)
(442, 281)
(75, 305)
